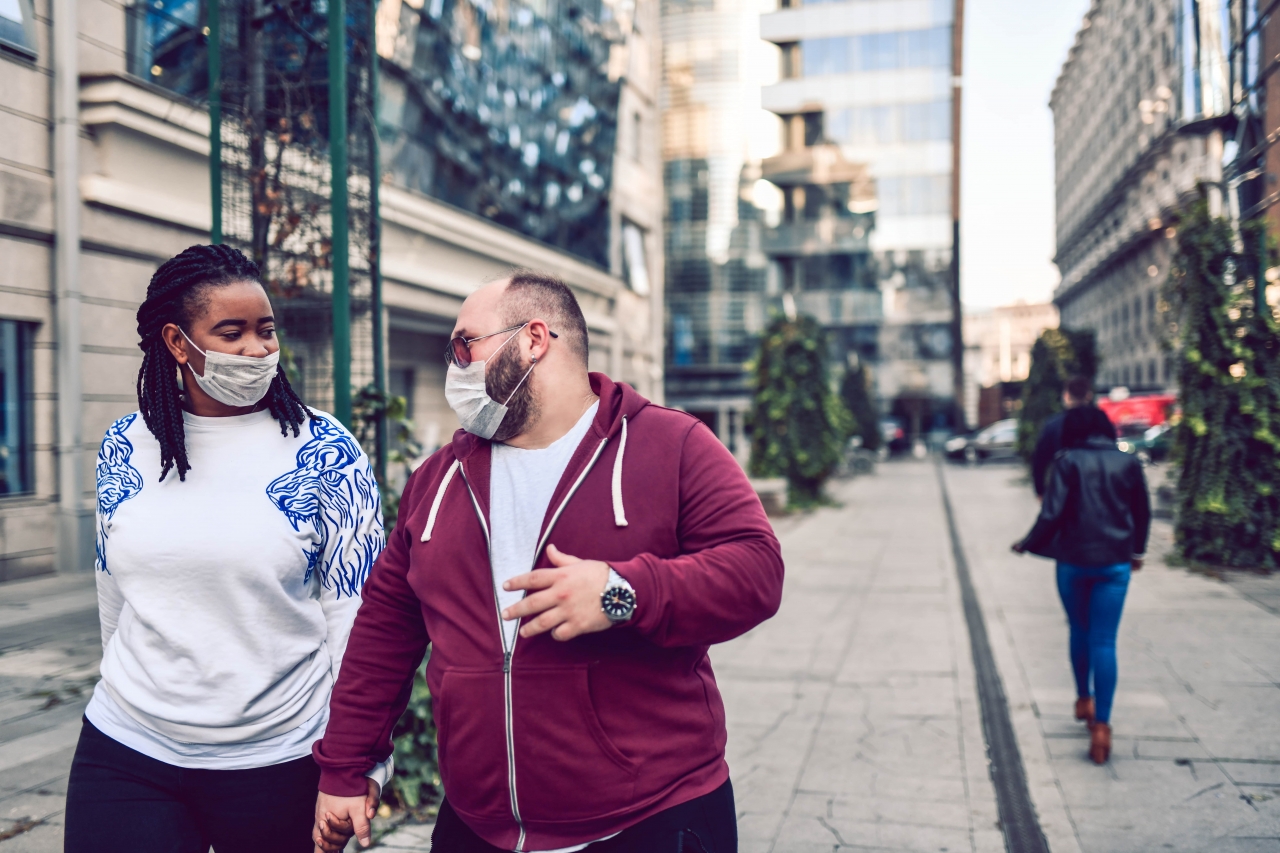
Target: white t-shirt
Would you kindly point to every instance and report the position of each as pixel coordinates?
(226, 599)
(521, 483)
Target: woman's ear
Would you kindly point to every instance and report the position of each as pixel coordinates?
(176, 342)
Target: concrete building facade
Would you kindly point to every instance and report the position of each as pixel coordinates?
(85, 229)
(997, 356)
(1130, 147)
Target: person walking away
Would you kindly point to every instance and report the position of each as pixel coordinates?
(1094, 521)
(569, 557)
(1077, 392)
(235, 530)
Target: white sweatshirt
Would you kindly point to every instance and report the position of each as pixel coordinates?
(226, 600)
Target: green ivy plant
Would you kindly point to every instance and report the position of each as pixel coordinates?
(855, 393)
(368, 406)
(798, 424)
(1056, 356)
(1228, 361)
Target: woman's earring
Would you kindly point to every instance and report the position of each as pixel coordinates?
(181, 386)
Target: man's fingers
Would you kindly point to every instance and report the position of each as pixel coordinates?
(543, 623)
(362, 829)
(532, 580)
(559, 558)
(531, 605)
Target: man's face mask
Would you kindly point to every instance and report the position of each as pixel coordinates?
(236, 380)
(468, 396)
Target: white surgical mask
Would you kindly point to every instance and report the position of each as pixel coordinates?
(236, 380)
(465, 390)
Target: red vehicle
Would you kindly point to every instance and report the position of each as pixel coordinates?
(1138, 412)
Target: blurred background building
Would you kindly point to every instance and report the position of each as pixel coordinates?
(714, 133)
(515, 134)
(1139, 125)
(997, 357)
(869, 102)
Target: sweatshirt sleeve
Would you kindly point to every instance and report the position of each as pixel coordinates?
(110, 605)
(728, 578)
(353, 540)
(387, 643)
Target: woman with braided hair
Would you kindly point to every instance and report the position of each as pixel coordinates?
(235, 531)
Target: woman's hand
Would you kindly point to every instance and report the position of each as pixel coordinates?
(1135, 565)
(1018, 547)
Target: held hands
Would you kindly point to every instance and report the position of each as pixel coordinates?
(566, 599)
(338, 818)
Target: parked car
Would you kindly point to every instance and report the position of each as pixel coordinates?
(892, 436)
(1153, 445)
(997, 441)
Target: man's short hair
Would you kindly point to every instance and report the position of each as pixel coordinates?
(531, 294)
(1079, 388)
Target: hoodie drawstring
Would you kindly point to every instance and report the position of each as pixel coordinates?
(435, 504)
(619, 514)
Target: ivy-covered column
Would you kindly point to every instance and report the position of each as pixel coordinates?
(1228, 439)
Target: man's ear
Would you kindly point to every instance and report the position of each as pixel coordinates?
(539, 338)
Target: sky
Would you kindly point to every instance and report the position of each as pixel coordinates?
(1013, 52)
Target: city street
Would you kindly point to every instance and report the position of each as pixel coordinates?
(854, 720)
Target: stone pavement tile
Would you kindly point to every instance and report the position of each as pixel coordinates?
(35, 791)
(1251, 773)
(818, 817)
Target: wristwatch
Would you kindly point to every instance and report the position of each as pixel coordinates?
(618, 601)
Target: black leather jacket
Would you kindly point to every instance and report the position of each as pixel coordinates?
(1096, 510)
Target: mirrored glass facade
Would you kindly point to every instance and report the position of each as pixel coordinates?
(507, 110)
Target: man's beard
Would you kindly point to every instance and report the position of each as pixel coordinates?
(502, 374)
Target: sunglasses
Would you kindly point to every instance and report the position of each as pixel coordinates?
(459, 349)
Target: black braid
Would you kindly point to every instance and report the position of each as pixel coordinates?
(172, 297)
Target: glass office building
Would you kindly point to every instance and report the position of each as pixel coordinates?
(717, 273)
(868, 85)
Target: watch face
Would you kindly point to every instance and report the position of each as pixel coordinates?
(618, 602)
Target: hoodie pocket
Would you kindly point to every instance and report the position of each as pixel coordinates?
(472, 743)
(567, 767)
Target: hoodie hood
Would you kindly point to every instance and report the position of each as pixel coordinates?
(618, 401)
(618, 404)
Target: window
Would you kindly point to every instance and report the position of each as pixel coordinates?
(890, 124)
(915, 195)
(166, 44)
(929, 48)
(15, 407)
(17, 26)
(635, 265)
(637, 138)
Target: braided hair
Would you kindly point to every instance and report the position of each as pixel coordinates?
(175, 295)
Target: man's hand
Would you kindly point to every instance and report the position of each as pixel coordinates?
(567, 598)
(1135, 565)
(338, 818)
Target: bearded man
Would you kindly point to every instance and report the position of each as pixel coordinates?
(569, 558)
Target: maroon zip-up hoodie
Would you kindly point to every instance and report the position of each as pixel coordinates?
(559, 743)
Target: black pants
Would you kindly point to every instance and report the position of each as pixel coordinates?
(708, 824)
(121, 801)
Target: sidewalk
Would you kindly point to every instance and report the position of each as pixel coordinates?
(49, 652)
(1196, 760)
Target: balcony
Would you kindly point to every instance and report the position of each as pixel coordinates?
(827, 236)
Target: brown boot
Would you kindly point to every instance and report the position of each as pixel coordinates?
(1100, 742)
(1084, 709)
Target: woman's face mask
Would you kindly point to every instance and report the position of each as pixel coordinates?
(464, 388)
(236, 380)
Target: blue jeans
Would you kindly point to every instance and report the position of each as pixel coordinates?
(1094, 598)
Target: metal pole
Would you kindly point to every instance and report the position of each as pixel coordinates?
(75, 520)
(381, 427)
(957, 306)
(338, 208)
(214, 53)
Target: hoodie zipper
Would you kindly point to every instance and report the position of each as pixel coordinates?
(508, 654)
